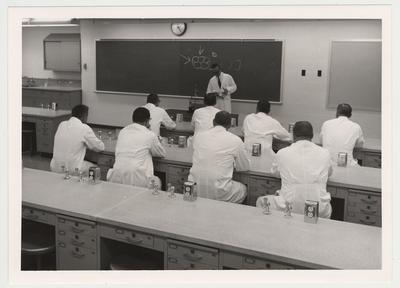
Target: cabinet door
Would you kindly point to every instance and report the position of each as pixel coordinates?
(177, 176)
(71, 56)
(373, 160)
(260, 187)
(70, 257)
(44, 136)
(52, 55)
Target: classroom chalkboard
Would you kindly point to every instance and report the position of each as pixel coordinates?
(182, 67)
(356, 74)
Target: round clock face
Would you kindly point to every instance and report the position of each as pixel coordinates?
(178, 28)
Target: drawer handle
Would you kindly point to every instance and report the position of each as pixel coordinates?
(134, 241)
(77, 243)
(61, 244)
(173, 246)
(367, 222)
(369, 202)
(249, 260)
(192, 257)
(76, 230)
(77, 255)
(172, 260)
(32, 217)
(119, 231)
(371, 212)
(61, 232)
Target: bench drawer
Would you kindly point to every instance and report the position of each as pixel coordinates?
(127, 236)
(38, 215)
(192, 253)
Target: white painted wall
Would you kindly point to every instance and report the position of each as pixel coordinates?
(307, 46)
(32, 52)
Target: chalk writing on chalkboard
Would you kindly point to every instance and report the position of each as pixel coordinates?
(203, 62)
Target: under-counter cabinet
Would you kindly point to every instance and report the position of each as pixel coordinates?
(76, 244)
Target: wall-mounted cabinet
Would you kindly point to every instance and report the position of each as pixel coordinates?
(62, 52)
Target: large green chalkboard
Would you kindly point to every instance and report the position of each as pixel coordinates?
(180, 67)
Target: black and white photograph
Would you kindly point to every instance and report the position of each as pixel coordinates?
(185, 138)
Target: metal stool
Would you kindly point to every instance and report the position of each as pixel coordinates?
(37, 243)
(126, 262)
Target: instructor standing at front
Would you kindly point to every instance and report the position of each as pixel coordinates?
(222, 84)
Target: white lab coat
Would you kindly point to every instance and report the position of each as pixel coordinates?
(227, 82)
(262, 128)
(133, 156)
(202, 118)
(70, 142)
(304, 168)
(159, 116)
(215, 153)
(341, 135)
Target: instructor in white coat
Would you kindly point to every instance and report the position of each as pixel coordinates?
(216, 153)
(71, 140)
(222, 84)
(135, 147)
(304, 168)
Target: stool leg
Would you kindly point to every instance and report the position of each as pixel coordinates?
(38, 262)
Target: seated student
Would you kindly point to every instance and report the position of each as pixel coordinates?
(304, 168)
(71, 140)
(202, 118)
(216, 153)
(135, 147)
(158, 115)
(341, 134)
(261, 128)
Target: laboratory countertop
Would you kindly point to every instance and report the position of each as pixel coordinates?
(54, 88)
(371, 144)
(42, 112)
(93, 198)
(327, 244)
(357, 177)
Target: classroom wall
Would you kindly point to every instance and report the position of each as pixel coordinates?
(33, 53)
(307, 46)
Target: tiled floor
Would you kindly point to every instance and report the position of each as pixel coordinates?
(36, 161)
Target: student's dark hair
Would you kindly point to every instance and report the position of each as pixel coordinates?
(344, 109)
(153, 98)
(140, 115)
(214, 65)
(222, 118)
(303, 129)
(210, 99)
(263, 106)
(79, 111)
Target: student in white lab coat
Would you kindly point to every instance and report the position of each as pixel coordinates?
(71, 140)
(158, 115)
(203, 118)
(135, 147)
(341, 135)
(222, 84)
(216, 153)
(304, 168)
(261, 128)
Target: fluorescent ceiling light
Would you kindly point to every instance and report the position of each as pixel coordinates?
(49, 22)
